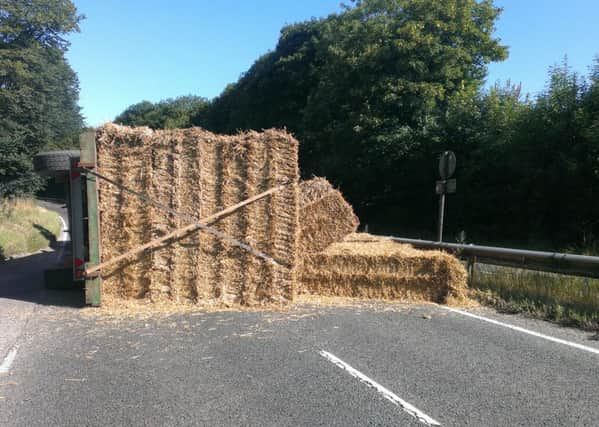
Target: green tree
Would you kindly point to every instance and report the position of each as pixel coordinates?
(591, 107)
(38, 89)
(167, 114)
(529, 167)
(555, 155)
(481, 130)
(377, 91)
(367, 90)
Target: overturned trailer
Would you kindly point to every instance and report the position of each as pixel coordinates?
(183, 215)
(63, 167)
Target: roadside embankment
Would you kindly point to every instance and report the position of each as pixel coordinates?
(26, 227)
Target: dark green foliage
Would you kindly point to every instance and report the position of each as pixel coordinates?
(167, 114)
(529, 168)
(38, 89)
(365, 90)
(376, 92)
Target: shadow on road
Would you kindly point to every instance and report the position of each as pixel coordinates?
(48, 235)
(23, 279)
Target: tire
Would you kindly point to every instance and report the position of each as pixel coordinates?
(55, 162)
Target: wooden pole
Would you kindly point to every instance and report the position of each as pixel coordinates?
(93, 285)
(204, 224)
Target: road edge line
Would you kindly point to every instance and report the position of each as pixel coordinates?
(62, 238)
(523, 330)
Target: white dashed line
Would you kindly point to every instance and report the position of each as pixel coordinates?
(525, 331)
(387, 394)
(7, 362)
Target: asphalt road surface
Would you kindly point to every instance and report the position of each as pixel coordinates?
(21, 285)
(367, 364)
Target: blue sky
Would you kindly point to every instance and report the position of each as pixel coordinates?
(134, 50)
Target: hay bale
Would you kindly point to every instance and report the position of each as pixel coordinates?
(325, 216)
(198, 173)
(367, 266)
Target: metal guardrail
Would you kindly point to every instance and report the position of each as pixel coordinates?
(552, 262)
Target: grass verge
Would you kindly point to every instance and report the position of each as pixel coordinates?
(25, 227)
(567, 300)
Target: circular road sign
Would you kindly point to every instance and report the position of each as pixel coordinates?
(447, 164)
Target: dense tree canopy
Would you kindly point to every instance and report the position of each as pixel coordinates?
(38, 89)
(529, 167)
(369, 93)
(376, 92)
(167, 114)
(368, 87)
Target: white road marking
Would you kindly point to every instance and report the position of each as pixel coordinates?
(525, 331)
(387, 394)
(63, 237)
(7, 362)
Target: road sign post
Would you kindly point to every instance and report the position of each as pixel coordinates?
(447, 165)
(441, 217)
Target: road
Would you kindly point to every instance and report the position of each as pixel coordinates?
(363, 364)
(21, 285)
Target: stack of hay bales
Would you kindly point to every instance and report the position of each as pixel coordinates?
(198, 173)
(325, 216)
(308, 229)
(368, 266)
(337, 262)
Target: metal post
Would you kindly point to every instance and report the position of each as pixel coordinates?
(447, 164)
(93, 285)
(76, 221)
(441, 215)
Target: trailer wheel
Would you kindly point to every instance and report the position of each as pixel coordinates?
(54, 162)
